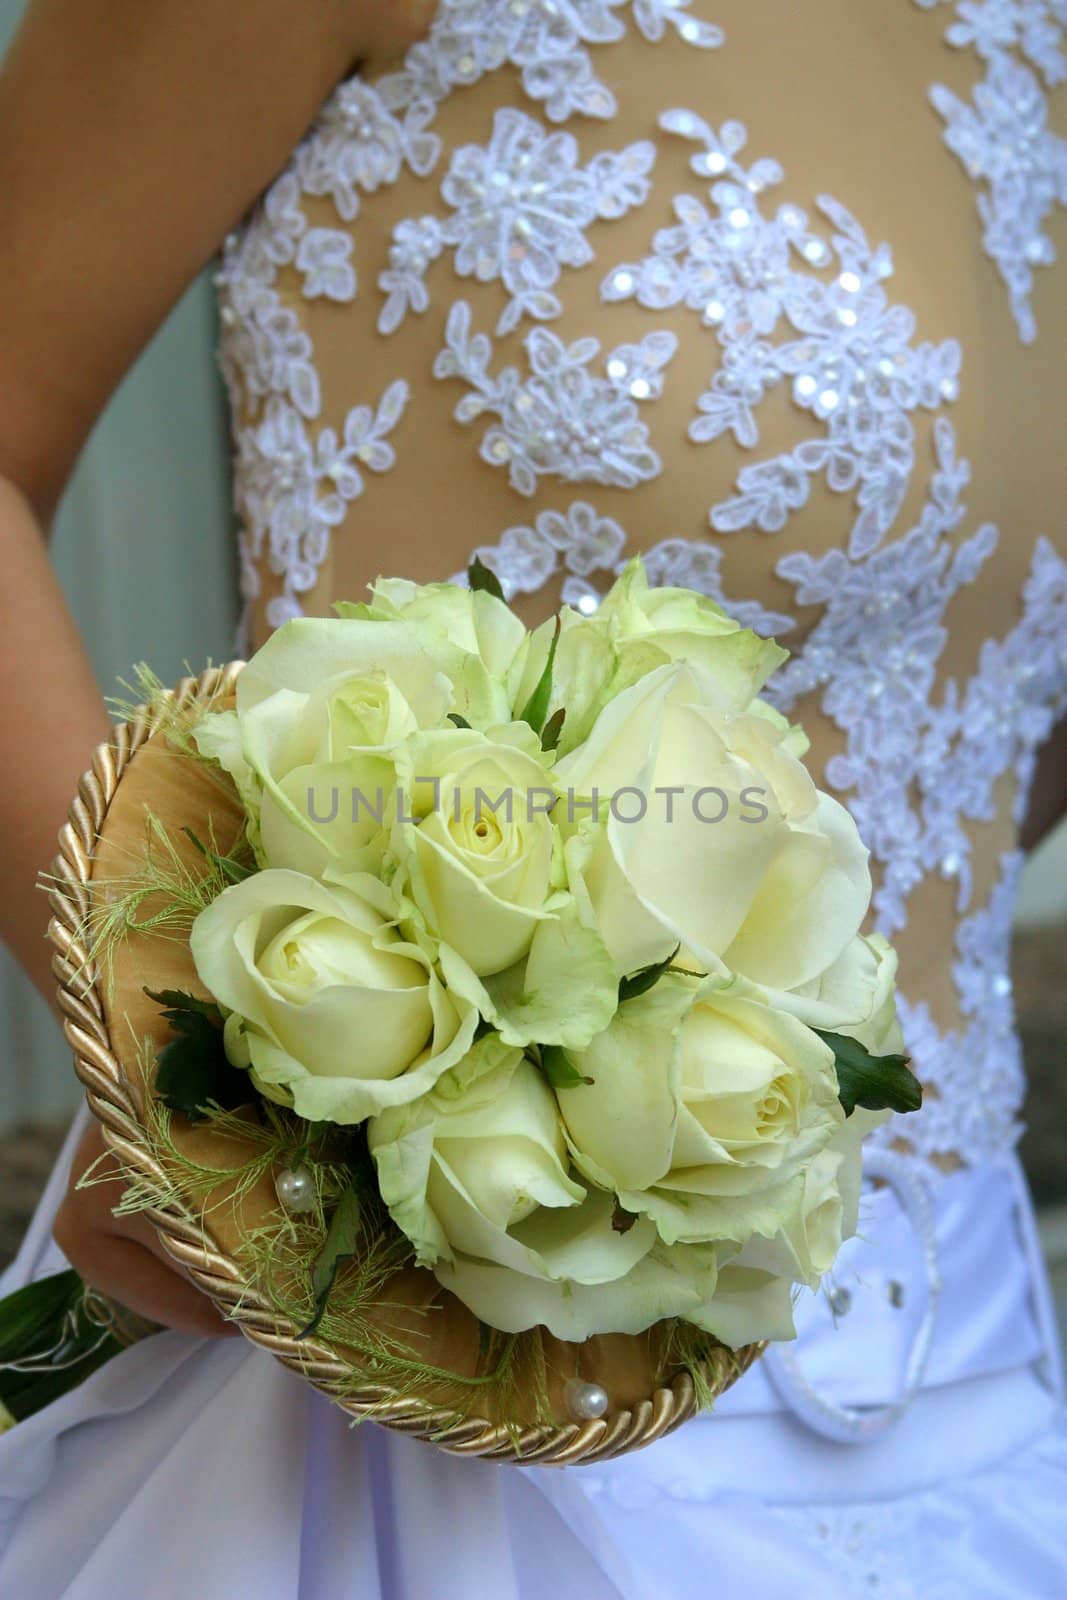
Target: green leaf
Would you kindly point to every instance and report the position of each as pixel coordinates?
(552, 729)
(535, 710)
(479, 576)
(174, 1001)
(193, 1069)
(878, 1083)
(559, 1069)
(642, 981)
(457, 721)
(229, 866)
(342, 1237)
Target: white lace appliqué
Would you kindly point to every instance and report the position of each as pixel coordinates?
(293, 489)
(562, 420)
(587, 547)
(521, 208)
(873, 657)
(848, 355)
(359, 144)
(545, 39)
(1003, 139)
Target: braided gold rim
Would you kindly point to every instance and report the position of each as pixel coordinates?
(110, 1100)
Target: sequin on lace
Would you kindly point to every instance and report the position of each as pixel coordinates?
(1003, 138)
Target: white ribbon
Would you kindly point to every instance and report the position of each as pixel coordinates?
(846, 1424)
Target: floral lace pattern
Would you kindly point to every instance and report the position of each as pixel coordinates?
(545, 39)
(562, 419)
(872, 656)
(293, 490)
(585, 545)
(1003, 139)
(521, 208)
(850, 363)
(792, 304)
(919, 765)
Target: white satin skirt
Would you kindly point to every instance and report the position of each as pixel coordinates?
(913, 1444)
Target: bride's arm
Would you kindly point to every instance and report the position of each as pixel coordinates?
(133, 135)
(51, 717)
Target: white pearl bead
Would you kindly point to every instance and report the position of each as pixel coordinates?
(296, 1189)
(586, 1401)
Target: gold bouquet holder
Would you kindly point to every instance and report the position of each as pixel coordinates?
(107, 1021)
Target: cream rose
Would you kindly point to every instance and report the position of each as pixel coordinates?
(855, 996)
(710, 834)
(705, 1110)
(474, 627)
(478, 862)
(755, 1292)
(476, 1174)
(683, 625)
(309, 743)
(636, 630)
(476, 843)
(332, 1012)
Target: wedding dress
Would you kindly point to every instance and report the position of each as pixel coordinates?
(579, 278)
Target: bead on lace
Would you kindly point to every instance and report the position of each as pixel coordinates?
(545, 39)
(587, 546)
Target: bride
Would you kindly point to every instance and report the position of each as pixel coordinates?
(770, 294)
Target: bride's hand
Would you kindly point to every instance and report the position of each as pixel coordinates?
(122, 1256)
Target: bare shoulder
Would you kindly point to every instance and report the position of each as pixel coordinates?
(133, 134)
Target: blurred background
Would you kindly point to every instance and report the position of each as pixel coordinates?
(144, 548)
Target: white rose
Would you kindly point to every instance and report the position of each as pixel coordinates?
(705, 1111)
(732, 852)
(319, 709)
(686, 626)
(568, 1300)
(474, 625)
(855, 996)
(483, 885)
(755, 1291)
(331, 1010)
(478, 849)
(476, 1174)
(635, 630)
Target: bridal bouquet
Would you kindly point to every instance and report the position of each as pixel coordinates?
(530, 977)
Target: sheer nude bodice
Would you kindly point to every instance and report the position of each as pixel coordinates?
(717, 282)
